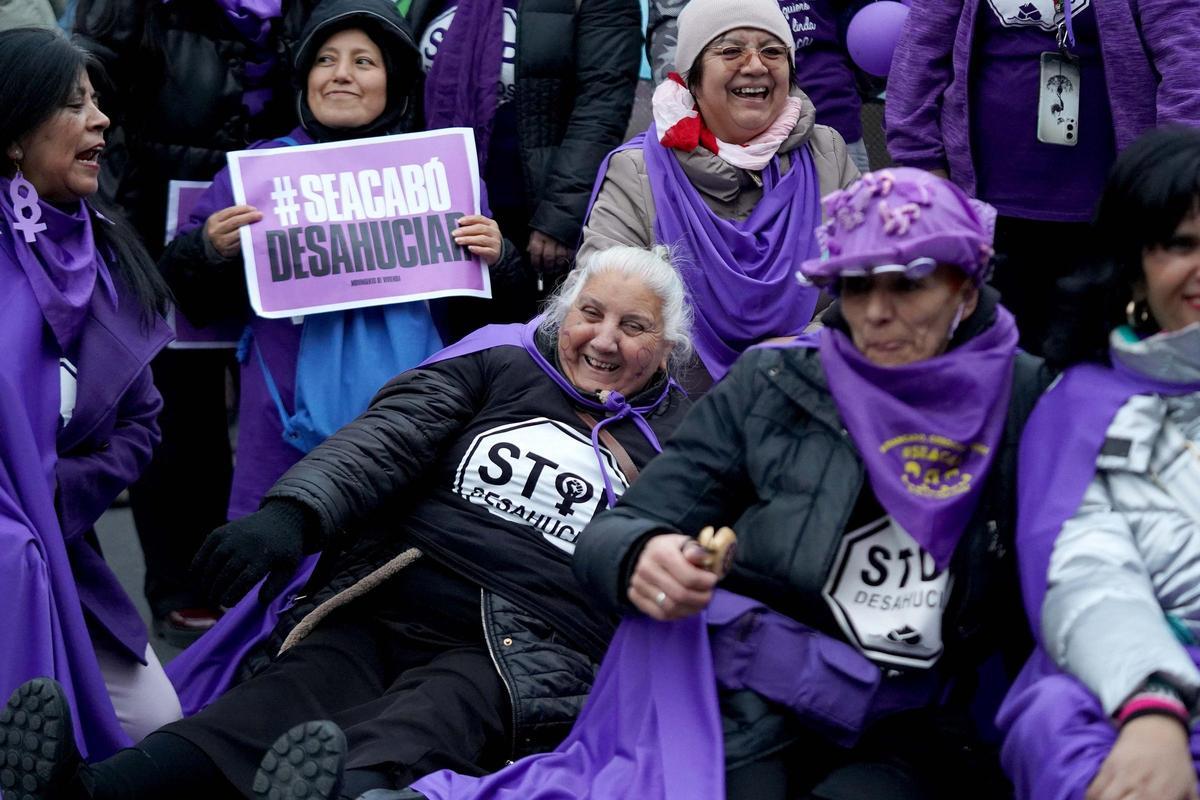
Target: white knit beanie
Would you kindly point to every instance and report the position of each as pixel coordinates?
(701, 21)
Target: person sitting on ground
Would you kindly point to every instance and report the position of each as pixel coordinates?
(1109, 531)
(868, 472)
(446, 629)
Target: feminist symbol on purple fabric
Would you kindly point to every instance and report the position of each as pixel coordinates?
(25, 198)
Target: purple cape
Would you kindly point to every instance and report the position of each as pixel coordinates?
(928, 431)
(740, 275)
(1056, 733)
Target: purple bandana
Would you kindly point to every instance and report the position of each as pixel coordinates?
(461, 88)
(739, 274)
(61, 264)
(927, 431)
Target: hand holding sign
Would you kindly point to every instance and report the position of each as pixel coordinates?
(223, 228)
(481, 236)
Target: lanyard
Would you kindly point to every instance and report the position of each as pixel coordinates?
(1066, 30)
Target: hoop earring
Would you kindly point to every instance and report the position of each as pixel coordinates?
(1137, 313)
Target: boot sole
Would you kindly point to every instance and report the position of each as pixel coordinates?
(36, 741)
(305, 763)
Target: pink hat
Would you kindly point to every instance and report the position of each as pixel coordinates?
(901, 219)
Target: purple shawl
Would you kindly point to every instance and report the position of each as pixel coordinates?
(928, 431)
(61, 264)
(740, 275)
(1056, 733)
(651, 726)
(1058, 453)
(461, 89)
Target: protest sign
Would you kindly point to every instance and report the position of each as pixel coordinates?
(181, 199)
(360, 223)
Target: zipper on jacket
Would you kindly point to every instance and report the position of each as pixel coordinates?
(512, 696)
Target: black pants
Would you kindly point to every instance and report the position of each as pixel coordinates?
(411, 697)
(1032, 256)
(184, 492)
(919, 755)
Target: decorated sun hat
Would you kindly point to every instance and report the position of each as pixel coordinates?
(901, 220)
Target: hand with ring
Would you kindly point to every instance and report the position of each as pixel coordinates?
(669, 580)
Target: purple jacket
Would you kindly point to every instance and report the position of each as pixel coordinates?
(51, 574)
(1151, 67)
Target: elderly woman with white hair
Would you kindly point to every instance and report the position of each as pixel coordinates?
(443, 627)
(731, 172)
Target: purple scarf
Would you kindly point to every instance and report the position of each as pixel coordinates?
(461, 87)
(740, 275)
(927, 431)
(61, 265)
(1059, 448)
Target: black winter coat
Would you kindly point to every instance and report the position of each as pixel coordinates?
(576, 72)
(766, 453)
(177, 71)
(482, 462)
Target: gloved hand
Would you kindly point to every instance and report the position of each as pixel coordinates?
(238, 554)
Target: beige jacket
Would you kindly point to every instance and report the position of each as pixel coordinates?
(623, 213)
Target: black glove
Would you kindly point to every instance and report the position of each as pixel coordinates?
(238, 554)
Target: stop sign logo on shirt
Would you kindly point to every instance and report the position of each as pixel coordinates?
(541, 473)
(888, 595)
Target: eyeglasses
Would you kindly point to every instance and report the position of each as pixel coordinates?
(738, 54)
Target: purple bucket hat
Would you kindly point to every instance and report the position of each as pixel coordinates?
(901, 220)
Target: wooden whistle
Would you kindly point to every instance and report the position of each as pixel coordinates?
(721, 545)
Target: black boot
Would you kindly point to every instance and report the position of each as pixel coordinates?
(306, 762)
(38, 756)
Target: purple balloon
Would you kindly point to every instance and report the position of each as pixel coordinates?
(873, 33)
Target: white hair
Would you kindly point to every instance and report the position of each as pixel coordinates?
(656, 271)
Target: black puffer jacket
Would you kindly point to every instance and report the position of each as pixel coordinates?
(483, 463)
(766, 453)
(178, 71)
(576, 72)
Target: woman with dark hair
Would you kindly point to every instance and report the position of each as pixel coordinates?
(80, 321)
(1109, 526)
(355, 68)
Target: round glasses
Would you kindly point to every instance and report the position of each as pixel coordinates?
(738, 54)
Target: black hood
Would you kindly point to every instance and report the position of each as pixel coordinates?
(390, 31)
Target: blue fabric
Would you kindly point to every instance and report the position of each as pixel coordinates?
(344, 359)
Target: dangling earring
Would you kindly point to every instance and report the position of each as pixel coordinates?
(1137, 314)
(25, 206)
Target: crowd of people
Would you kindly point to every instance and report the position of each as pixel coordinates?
(950, 409)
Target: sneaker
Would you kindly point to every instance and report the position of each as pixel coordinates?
(38, 756)
(306, 762)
